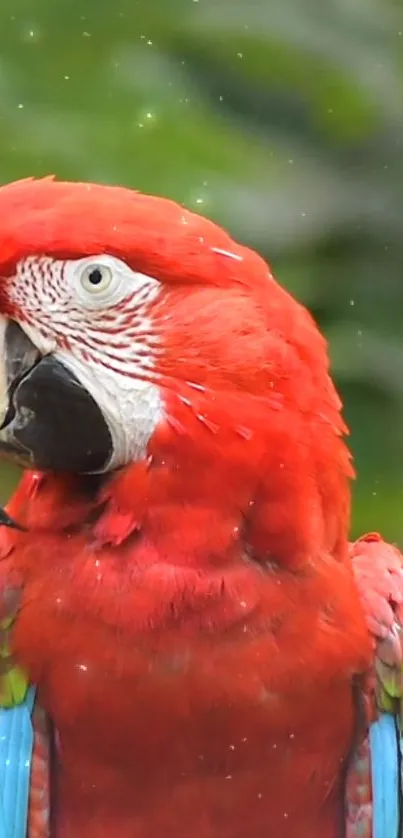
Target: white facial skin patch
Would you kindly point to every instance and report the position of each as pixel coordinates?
(94, 315)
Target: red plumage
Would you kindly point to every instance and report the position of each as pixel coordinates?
(192, 621)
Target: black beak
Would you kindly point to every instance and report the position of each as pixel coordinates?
(51, 422)
(6, 521)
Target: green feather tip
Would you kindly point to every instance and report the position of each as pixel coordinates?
(13, 682)
(13, 687)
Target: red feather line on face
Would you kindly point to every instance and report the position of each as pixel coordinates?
(120, 337)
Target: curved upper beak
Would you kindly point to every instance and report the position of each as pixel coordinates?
(48, 419)
(18, 355)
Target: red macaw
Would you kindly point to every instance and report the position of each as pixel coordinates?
(185, 592)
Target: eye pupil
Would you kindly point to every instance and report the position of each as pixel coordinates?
(96, 279)
(95, 276)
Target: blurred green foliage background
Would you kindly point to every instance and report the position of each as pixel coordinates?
(283, 120)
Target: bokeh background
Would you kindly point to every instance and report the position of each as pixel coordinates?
(281, 119)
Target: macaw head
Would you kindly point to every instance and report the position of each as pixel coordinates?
(132, 328)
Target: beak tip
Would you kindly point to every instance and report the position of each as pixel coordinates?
(6, 521)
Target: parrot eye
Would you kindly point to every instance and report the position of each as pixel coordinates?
(99, 282)
(96, 279)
